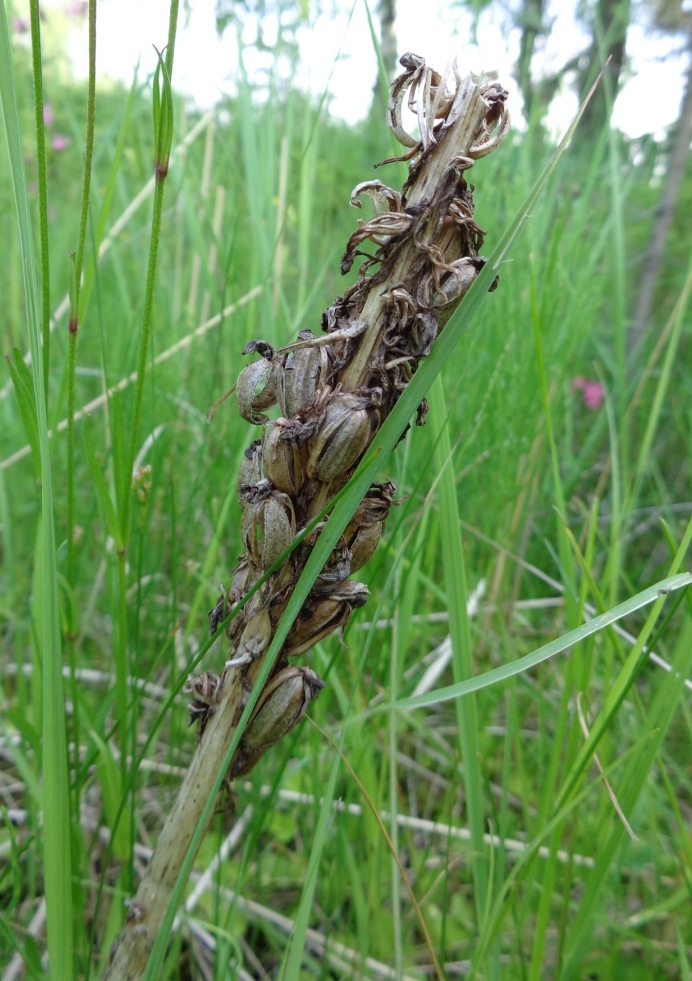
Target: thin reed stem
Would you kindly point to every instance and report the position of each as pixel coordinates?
(37, 65)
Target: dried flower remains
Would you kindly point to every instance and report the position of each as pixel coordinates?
(332, 393)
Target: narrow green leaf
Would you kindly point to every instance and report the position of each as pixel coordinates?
(102, 491)
(111, 789)
(294, 953)
(650, 595)
(57, 868)
(23, 382)
(462, 657)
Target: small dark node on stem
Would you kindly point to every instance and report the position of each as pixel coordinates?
(73, 325)
(161, 170)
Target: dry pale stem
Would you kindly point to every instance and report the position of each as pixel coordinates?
(333, 397)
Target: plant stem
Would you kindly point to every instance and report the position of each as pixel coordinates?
(42, 189)
(73, 327)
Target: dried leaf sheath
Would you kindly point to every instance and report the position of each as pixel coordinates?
(333, 393)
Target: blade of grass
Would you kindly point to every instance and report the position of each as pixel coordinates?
(656, 723)
(454, 571)
(56, 810)
(293, 956)
(37, 66)
(653, 594)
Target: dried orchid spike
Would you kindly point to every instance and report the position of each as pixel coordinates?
(328, 395)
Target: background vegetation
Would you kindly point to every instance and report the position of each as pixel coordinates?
(570, 450)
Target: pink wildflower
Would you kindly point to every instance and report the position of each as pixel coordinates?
(21, 25)
(592, 391)
(60, 143)
(48, 117)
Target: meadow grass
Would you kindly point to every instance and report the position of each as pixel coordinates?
(516, 493)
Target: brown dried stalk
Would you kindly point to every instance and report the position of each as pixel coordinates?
(333, 393)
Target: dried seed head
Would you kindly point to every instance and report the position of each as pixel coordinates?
(268, 523)
(303, 373)
(317, 620)
(363, 541)
(349, 424)
(256, 390)
(363, 532)
(280, 707)
(282, 461)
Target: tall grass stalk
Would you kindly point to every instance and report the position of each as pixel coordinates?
(459, 628)
(73, 325)
(39, 109)
(57, 835)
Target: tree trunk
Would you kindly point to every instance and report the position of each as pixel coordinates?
(386, 10)
(610, 23)
(653, 257)
(531, 22)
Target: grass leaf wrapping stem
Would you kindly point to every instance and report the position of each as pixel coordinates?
(56, 808)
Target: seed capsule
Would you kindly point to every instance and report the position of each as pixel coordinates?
(321, 616)
(280, 707)
(349, 424)
(282, 461)
(365, 528)
(314, 623)
(256, 390)
(303, 373)
(268, 523)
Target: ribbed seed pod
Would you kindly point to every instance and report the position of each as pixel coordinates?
(304, 371)
(256, 390)
(349, 424)
(280, 707)
(363, 532)
(282, 460)
(321, 616)
(268, 523)
(315, 622)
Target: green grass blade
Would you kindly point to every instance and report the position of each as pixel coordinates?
(57, 828)
(653, 594)
(462, 658)
(294, 953)
(23, 382)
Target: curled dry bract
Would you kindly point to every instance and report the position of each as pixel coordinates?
(256, 390)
